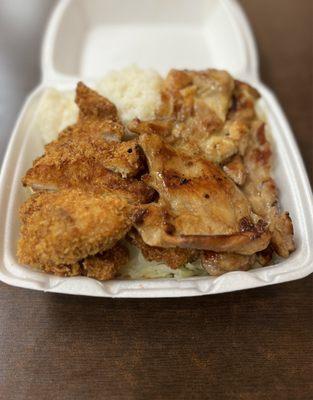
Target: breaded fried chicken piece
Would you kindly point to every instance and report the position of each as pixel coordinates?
(61, 270)
(98, 115)
(66, 226)
(91, 165)
(80, 158)
(102, 266)
(173, 257)
(89, 176)
(105, 266)
(123, 158)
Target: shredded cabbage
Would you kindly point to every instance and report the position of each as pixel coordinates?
(139, 268)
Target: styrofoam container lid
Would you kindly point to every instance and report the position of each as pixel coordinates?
(87, 38)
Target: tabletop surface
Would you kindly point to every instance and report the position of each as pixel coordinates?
(253, 345)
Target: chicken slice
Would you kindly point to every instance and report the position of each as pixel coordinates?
(61, 270)
(81, 159)
(204, 92)
(233, 138)
(261, 191)
(219, 263)
(265, 256)
(235, 169)
(105, 266)
(203, 113)
(98, 115)
(243, 102)
(102, 266)
(91, 166)
(123, 158)
(172, 257)
(199, 206)
(63, 227)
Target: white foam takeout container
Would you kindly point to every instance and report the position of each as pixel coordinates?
(85, 39)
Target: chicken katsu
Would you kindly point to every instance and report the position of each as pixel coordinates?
(66, 226)
(83, 157)
(191, 184)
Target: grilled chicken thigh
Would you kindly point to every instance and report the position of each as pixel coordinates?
(261, 191)
(219, 263)
(199, 206)
(102, 266)
(194, 115)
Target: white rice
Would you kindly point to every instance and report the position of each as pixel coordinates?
(57, 110)
(135, 92)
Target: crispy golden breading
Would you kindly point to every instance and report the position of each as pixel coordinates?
(66, 226)
(80, 158)
(105, 266)
(87, 176)
(123, 158)
(200, 205)
(62, 269)
(91, 165)
(173, 257)
(102, 266)
(219, 263)
(98, 115)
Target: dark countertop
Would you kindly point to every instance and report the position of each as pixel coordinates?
(248, 345)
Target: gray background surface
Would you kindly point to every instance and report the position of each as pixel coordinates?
(22, 24)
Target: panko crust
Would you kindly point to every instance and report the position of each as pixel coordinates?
(67, 226)
(105, 266)
(91, 165)
(102, 266)
(83, 157)
(98, 114)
